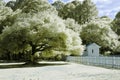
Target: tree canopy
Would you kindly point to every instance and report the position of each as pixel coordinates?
(38, 30)
(82, 12)
(100, 32)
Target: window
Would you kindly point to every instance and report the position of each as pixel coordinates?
(92, 51)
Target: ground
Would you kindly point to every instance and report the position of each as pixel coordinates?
(70, 71)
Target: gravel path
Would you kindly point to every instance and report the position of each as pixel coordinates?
(71, 71)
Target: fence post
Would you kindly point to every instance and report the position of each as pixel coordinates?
(113, 64)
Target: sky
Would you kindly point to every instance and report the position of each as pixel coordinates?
(105, 7)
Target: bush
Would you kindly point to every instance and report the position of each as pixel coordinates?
(60, 57)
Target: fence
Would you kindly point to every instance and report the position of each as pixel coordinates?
(111, 62)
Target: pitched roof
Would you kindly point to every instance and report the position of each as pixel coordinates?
(91, 44)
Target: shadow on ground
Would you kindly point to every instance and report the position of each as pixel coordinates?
(24, 65)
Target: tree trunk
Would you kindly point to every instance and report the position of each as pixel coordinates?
(32, 59)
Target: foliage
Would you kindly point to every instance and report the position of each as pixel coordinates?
(33, 28)
(100, 32)
(89, 11)
(72, 24)
(80, 12)
(38, 30)
(116, 23)
(11, 4)
(58, 5)
(5, 12)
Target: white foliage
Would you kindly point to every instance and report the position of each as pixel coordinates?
(72, 24)
(4, 11)
(100, 31)
(73, 42)
(45, 27)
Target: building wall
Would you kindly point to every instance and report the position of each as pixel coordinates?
(93, 50)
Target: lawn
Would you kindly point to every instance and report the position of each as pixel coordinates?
(58, 71)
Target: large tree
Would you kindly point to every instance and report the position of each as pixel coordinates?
(37, 29)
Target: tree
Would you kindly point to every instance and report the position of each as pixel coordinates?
(88, 12)
(80, 12)
(43, 38)
(100, 32)
(66, 10)
(58, 4)
(11, 4)
(5, 12)
(34, 6)
(116, 23)
(59, 7)
(39, 30)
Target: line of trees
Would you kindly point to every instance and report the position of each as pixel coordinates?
(81, 12)
(92, 28)
(34, 29)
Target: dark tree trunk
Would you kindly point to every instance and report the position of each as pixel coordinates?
(33, 51)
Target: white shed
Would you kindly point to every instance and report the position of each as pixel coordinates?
(92, 50)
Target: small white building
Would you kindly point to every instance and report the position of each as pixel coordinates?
(92, 50)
